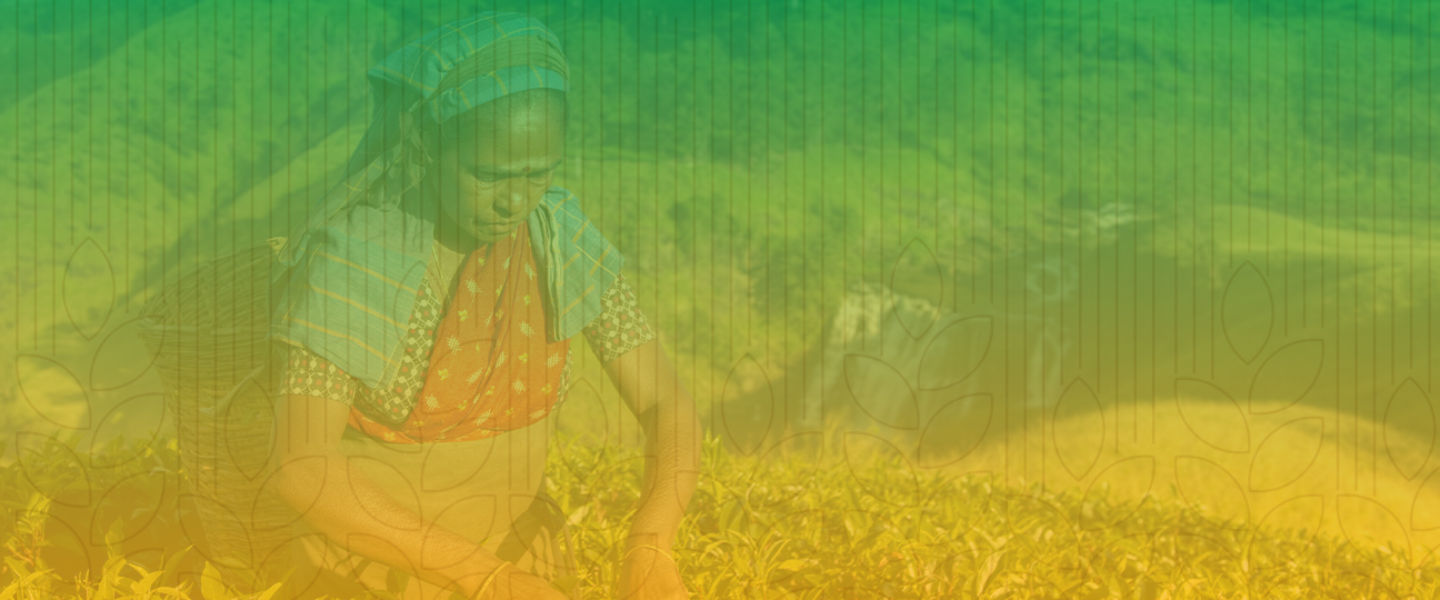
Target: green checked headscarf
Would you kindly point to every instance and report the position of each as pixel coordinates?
(354, 268)
(455, 68)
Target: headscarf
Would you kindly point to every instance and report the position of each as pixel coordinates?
(456, 68)
(352, 270)
(423, 85)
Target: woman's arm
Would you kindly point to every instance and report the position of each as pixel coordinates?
(652, 389)
(357, 514)
(666, 412)
(626, 345)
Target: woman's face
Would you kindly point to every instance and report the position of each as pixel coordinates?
(495, 170)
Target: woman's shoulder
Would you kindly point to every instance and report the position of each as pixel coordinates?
(389, 228)
(354, 285)
(565, 229)
(384, 248)
(580, 264)
(621, 325)
(385, 240)
(561, 199)
(561, 208)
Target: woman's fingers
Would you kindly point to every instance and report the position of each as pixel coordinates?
(651, 577)
(520, 585)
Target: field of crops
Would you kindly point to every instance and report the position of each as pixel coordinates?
(1179, 258)
(858, 525)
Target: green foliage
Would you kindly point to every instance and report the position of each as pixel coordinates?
(820, 528)
(858, 527)
(753, 160)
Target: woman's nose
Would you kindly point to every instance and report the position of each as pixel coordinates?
(510, 202)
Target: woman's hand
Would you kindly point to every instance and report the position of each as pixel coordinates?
(513, 584)
(648, 573)
(651, 388)
(523, 586)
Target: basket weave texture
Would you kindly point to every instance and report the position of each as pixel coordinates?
(209, 330)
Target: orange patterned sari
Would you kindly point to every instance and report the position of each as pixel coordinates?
(491, 369)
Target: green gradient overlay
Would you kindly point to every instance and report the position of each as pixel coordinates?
(1190, 241)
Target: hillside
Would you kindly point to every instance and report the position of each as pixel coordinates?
(854, 526)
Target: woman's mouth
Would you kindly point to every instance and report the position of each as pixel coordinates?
(501, 227)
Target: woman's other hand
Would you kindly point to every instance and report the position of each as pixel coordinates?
(513, 584)
(649, 574)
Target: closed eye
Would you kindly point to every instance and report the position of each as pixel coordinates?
(536, 177)
(485, 177)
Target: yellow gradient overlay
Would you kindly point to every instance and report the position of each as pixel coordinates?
(996, 299)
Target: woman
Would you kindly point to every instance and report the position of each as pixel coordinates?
(427, 311)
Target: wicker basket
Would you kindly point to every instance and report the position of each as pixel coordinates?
(210, 332)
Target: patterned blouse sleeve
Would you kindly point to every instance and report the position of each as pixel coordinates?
(621, 327)
(307, 374)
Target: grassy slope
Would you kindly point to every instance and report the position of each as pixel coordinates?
(131, 166)
(1283, 466)
(726, 277)
(858, 524)
(806, 176)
